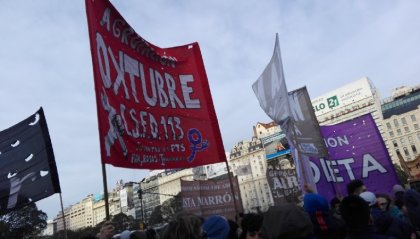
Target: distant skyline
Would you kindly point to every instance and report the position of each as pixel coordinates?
(45, 61)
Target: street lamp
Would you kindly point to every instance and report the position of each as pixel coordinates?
(140, 195)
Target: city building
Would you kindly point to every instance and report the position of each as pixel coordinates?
(350, 101)
(401, 113)
(170, 183)
(127, 199)
(50, 229)
(81, 214)
(63, 223)
(347, 102)
(151, 198)
(248, 161)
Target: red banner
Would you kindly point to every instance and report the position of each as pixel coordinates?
(154, 104)
(210, 197)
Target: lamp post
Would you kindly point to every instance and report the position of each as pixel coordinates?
(140, 195)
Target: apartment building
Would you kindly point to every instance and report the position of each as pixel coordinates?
(401, 113)
(248, 161)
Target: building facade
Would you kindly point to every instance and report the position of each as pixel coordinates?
(350, 101)
(151, 198)
(401, 114)
(248, 161)
(170, 183)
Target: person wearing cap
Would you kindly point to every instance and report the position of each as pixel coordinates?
(356, 213)
(216, 227)
(398, 196)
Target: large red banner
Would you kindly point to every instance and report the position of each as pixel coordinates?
(154, 104)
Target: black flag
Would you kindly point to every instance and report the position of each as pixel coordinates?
(28, 172)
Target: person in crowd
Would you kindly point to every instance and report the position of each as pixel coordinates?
(398, 195)
(335, 207)
(233, 230)
(385, 204)
(324, 223)
(382, 220)
(369, 197)
(216, 227)
(185, 225)
(356, 187)
(412, 204)
(251, 225)
(286, 221)
(356, 213)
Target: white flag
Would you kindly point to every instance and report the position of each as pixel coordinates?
(270, 88)
(292, 111)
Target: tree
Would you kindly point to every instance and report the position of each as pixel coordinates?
(123, 222)
(156, 216)
(25, 222)
(402, 175)
(171, 207)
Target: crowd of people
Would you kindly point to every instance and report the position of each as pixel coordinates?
(361, 214)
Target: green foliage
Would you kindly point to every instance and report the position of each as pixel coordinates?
(171, 207)
(123, 222)
(156, 216)
(25, 222)
(402, 175)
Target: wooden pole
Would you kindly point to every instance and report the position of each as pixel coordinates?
(105, 191)
(64, 218)
(231, 189)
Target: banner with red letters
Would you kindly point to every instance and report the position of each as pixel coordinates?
(154, 105)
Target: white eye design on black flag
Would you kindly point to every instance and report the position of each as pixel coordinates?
(28, 172)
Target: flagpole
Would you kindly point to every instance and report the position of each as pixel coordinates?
(231, 189)
(337, 187)
(62, 214)
(105, 191)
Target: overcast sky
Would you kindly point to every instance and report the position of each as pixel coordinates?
(45, 61)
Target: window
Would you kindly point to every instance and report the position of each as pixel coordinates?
(413, 147)
(406, 129)
(410, 139)
(391, 133)
(413, 118)
(406, 151)
(402, 140)
(388, 125)
(398, 132)
(416, 126)
(394, 142)
(403, 121)
(396, 123)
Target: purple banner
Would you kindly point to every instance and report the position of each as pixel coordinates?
(357, 151)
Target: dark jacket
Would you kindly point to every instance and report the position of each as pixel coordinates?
(389, 226)
(368, 232)
(412, 202)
